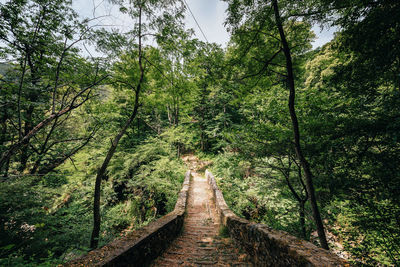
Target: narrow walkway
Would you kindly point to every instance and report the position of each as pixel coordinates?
(200, 243)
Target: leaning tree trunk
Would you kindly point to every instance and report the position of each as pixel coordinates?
(94, 240)
(304, 163)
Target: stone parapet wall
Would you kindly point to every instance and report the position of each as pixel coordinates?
(266, 246)
(140, 247)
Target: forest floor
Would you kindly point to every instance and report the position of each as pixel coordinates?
(202, 243)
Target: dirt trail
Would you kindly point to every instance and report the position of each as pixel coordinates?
(200, 243)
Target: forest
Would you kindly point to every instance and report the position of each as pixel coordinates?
(94, 121)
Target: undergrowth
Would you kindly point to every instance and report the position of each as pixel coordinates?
(50, 218)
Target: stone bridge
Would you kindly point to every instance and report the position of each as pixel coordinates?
(203, 231)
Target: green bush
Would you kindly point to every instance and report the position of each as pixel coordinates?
(254, 192)
(47, 220)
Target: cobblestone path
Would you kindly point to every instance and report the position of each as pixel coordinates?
(200, 243)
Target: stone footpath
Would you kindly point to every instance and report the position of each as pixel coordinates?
(200, 243)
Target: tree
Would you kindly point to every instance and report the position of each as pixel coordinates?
(144, 11)
(355, 120)
(296, 132)
(206, 68)
(260, 14)
(39, 42)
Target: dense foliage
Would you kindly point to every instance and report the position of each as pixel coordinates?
(66, 116)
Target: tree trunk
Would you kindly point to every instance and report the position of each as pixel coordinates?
(304, 163)
(24, 149)
(3, 140)
(177, 112)
(4, 119)
(94, 239)
(302, 200)
(169, 115)
(302, 220)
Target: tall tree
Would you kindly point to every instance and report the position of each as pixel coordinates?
(296, 132)
(268, 14)
(39, 42)
(148, 18)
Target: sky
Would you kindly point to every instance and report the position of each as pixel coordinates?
(210, 15)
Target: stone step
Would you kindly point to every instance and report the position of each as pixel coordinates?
(205, 243)
(187, 245)
(198, 234)
(201, 220)
(241, 264)
(208, 263)
(186, 240)
(199, 228)
(230, 258)
(206, 248)
(169, 262)
(204, 257)
(201, 232)
(212, 257)
(200, 223)
(194, 213)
